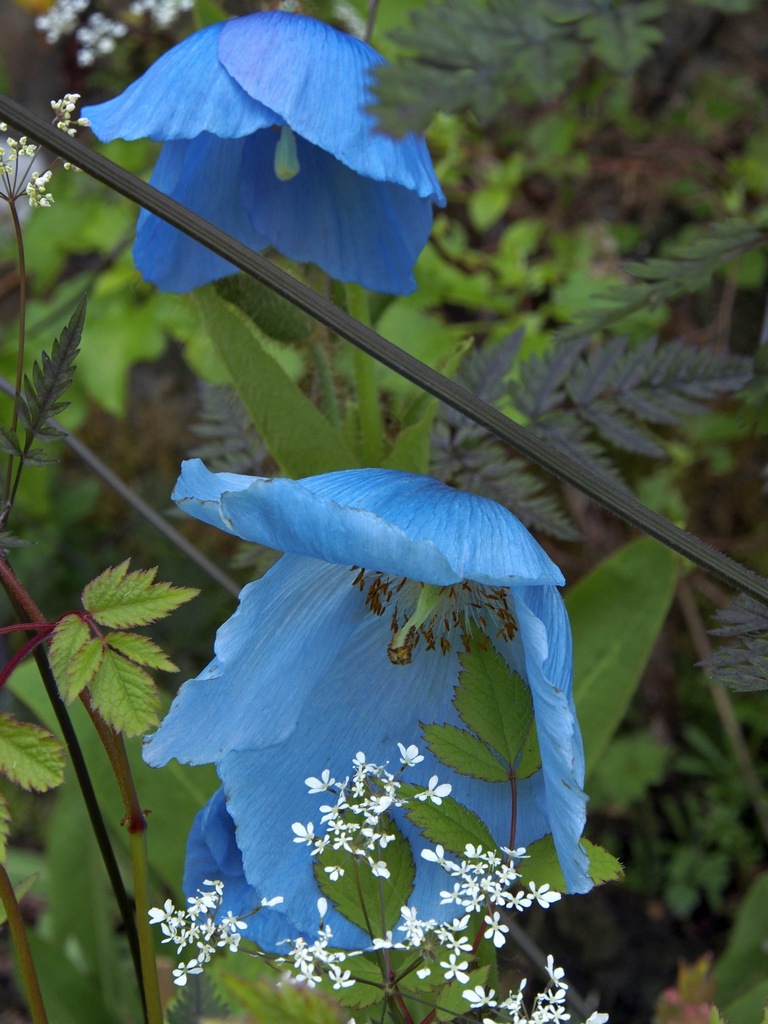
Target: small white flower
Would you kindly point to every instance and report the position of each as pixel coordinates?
(597, 1018)
(322, 784)
(340, 980)
(436, 792)
(271, 903)
(543, 896)
(410, 755)
(303, 833)
(183, 970)
(423, 972)
(455, 970)
(478, 997)
(495, 929)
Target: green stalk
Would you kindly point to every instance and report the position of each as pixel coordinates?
(20, 353)
(369, 409)
(23, 952)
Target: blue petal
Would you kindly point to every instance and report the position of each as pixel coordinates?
(288, 630)
(355, 228)
(317, 79)
(545, 634)
(184, 93)
(399, 523)
(204, 175)
(212, 854)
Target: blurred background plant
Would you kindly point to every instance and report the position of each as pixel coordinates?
(604, 133)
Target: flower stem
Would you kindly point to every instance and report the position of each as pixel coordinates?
(19, 355)
(368, 407)
(23, 952)
(136, 823)
(25, 608)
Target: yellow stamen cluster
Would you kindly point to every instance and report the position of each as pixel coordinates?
(439, 615)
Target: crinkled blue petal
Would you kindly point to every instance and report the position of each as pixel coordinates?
(545, 639)
(184, 93)
(287, 632)
(357, 700)
(317, 79)
(355, 228)
(385, 520)
(212, 855)
(204, 175)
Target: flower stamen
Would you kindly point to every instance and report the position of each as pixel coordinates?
(286, 158)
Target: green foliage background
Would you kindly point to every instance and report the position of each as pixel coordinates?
(607, 179)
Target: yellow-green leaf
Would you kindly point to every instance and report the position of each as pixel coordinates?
(70, 635)
(125, 695)
(142, 650)
(122, 599)
(29, 755)
(82, 667)
(289, 1004)
(543, 867)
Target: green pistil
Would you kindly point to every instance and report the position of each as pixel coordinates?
(403, 642)
(286, 159)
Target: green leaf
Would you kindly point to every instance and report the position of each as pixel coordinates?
(81, 670)
(299, 437)
(26, 884)
(37, 457)
(264, 1002)
(459, 749)
(276, 316)
(5, 831)
(142, 650)
(411, 450)
(450, 998)
(616, 614)
(121, 599)
(449, 824)
(197, 1001)
(51, 378)
(29, 755)
(494, 702)
(743, 962)
(380, 896)
(9, 441)
(125, 695)
(543, 867)
(70, 634)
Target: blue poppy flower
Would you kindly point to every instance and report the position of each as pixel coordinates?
(266, 135)
(302, 677)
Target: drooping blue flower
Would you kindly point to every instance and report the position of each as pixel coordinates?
(266, 135)
(301, 678)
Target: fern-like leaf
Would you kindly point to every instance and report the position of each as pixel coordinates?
(229, 441)
(50, 380)
(744, 664)
(196, 1002)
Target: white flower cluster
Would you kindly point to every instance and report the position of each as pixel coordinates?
(482, 883)
(162, 12)
(197, 926)
(16, 180)
(99, 34)
(357, 826)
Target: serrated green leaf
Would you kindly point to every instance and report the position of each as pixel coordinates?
(379, 895)
(29, 755)
(450, 823)
(366, 970)
(543, 867)
(70, 634)
(81, 669)
(464, 752)
(125, 695)
(9, 442)
(264, 1002)
(494, 702)
(122, 599)
(142, 650)
(5, 830)
(530, 757)
(37, 457)
(450, 998)
(196, 1002)
(299, 437)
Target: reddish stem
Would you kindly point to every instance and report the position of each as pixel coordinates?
(29, 646)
